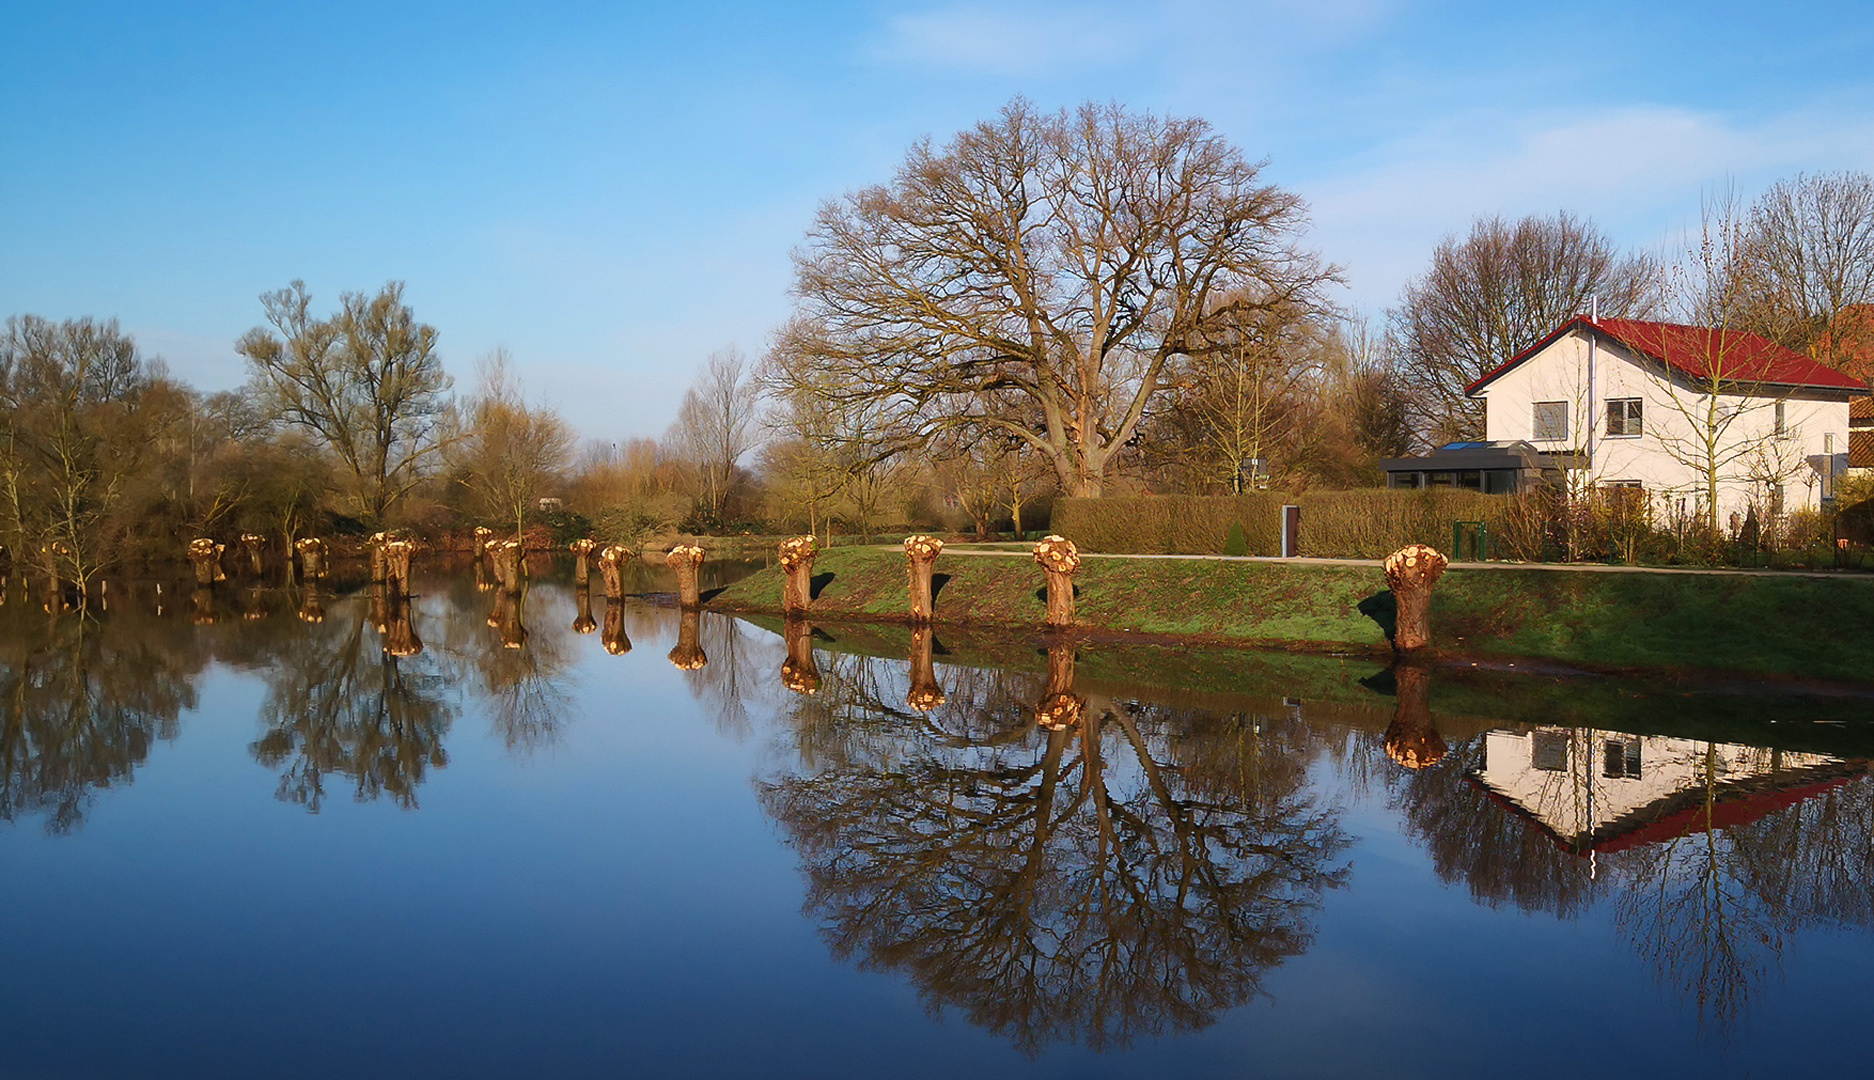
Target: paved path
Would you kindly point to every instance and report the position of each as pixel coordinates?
(1586, 568)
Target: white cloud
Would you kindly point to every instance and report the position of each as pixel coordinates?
(1012, 41)
(1639, 171)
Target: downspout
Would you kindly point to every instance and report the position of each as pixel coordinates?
(1594, 318)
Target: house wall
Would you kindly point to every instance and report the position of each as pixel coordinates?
(1659, 458)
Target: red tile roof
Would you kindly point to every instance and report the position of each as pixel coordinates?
(1736, 357)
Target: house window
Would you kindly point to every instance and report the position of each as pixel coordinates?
(1551, 421)
(1782, 422)
(1620, 758)
(1623, 417)
(1548, 750)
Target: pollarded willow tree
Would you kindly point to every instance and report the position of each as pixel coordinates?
(1043, 276)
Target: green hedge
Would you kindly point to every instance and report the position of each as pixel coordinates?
(1365, 524)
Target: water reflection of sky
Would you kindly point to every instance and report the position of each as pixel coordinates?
(557, 861)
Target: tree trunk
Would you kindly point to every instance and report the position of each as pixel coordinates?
(1059, 560)
(1411, 572)
(922, 551)
(686, 560)
(796, 558)
(611, 569)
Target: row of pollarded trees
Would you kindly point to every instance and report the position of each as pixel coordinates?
(106, 459)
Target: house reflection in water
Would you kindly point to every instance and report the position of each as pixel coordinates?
(1604, 791)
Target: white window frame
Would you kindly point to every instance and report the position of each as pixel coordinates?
(1633, 412)
(1535, 428)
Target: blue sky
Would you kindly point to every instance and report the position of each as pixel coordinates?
(611, 191)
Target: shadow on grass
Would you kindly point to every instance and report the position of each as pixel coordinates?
(817, 584)
(1383, 608)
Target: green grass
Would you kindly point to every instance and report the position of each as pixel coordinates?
(1771, 625)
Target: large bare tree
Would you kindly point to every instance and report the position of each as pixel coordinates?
(1042, 276)
(366, 381)
(1496, 292)
(511, 452)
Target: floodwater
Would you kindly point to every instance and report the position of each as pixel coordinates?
(267, 833)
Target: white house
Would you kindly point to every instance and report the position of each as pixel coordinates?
(1649, 404)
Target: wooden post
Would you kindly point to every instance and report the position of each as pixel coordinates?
(254, 542)
(922, 551)
(796, 558)
(924, 694)
(582, 562)
(611, 569)
(1410, 573)
(206, 555)
(614, 638)
(1059, 559)
(686, 559)
(1060, 707)
(799, 672)
(688, 654)
(1410, 738)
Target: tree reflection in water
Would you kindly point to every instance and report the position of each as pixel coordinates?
(1135, 874)
(522, 673)
(81, 706)
(340, 703)
(1737, 848)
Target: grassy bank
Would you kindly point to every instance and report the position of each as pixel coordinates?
(1775, 625)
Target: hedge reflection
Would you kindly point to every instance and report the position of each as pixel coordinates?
(1136, 875)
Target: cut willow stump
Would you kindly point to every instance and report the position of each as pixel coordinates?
(376, 544)
(688, 655)
(312, 608)
(1060, 707)
(397, 556)
(202, 606)
(922, 551)
(206, 555)
(686, 560)
(1060, 560)
(799, 672)
(796, 558)
(506, 557)
(254, 543)
(924, 694)
(311, 557)
(1410, 738)
(613, 636)
(582, 562)
(1410, 573)
(483, 536)
(612, 570)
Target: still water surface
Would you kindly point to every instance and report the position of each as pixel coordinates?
(236, 842)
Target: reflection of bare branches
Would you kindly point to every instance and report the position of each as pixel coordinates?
(1132, 876)
(733, 675)
(80, 709)
(522, 669)
(339, 703)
